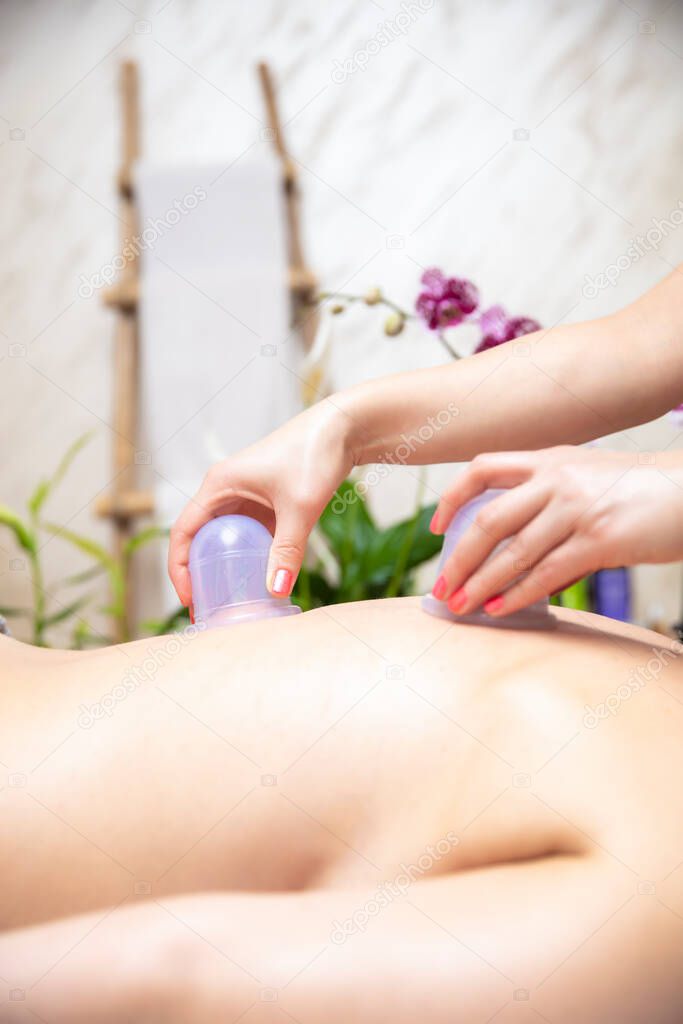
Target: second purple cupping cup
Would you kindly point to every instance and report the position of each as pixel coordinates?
(536, 616)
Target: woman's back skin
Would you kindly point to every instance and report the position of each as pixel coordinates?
(362, 813)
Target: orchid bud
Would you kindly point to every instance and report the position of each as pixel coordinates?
(394, 324)
(372, 297)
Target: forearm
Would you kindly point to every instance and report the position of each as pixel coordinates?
(565, 385)
(450, 952)
(214, 957)
(100, 968)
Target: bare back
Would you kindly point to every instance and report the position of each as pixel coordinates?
(329, 749)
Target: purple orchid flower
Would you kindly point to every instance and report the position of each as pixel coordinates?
(445, 300)
(497, 327)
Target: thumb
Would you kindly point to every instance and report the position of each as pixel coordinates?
(286, 552)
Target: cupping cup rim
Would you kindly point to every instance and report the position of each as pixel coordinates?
(531, 617)
(276, 606)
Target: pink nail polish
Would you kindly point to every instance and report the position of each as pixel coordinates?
(432, 525)
(440, 588)
(457, 600)
(493, 605)
(282, 582)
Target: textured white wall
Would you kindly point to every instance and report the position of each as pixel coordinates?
(417, 159)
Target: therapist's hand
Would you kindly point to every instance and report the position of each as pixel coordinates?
(569, 511)
(285, 480)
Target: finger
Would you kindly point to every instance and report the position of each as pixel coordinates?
(545, 531)
(566, 562)
(500, 469)
(503, 517)
(191, 519)
(287, 550)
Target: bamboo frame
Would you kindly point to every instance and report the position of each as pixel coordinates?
(302, 282)
(125, 503)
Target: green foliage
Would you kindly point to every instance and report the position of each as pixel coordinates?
(177, 620)
(369, 562)
(143, 537)
(114, 569)
(46, 487)
(67, 612)
(48, 611)
(23, 534)
(578, 595)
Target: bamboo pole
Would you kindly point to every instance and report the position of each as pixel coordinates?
(124, 503)
(302, 282)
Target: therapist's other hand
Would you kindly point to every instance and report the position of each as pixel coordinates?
(567, 512)
(285, 480)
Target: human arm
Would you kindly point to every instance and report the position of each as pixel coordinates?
(566, 384)
(453, 949)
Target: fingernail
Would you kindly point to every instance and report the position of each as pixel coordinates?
(432, 525)
(457, 599)
(282, 582)
(493, 605)
(440, 588)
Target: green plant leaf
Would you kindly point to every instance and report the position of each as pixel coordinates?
(423, 545)
(108, 609)
(15, 613)
(318, 592)
(578, 595)
(144, 537)
(45, 487)
(347, 525)
(372, 562)
(349, 530)
(65, 613)
(83, 636)
(178, 619)
(22, 533)
(84, 544)
(101, 555)
(82, 577)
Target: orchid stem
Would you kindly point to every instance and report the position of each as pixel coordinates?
(447, 345)
(382, 300)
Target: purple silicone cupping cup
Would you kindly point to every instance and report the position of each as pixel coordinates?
(536, 616)
(228, 562)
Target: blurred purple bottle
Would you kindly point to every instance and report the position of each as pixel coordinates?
(612, 594)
